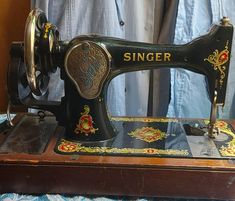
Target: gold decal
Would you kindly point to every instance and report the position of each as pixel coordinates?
(127, 56)
(47, 28)
(227, 150)
(140, 56)
(73, 147)
(133, 56)
(151, 56)
(85, 123)
(147, 134)
(218, 59)
(158, 56)
(167, 56)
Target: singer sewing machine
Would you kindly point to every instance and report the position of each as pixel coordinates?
(84, 144)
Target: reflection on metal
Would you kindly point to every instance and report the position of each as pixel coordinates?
(9, 114)
(212, 130)
(34, 22)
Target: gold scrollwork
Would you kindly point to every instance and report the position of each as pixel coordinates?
(73, 147)
(147, 134)
(143, 119)
(228, 149)
(85, 123)
(218, 59)
(47, 28)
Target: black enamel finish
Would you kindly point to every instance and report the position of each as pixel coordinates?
(177, 142)
(190, 56)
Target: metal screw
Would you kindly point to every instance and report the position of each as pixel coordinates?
(85, 46)
(41, 115)
(225, 21)
(186, 59)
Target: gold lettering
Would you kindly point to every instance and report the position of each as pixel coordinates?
(133, 56)
(149, 57)
(158, 56)
(167, 56)
(140, 56)
(127, 56)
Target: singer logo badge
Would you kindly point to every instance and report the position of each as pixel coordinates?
(88, 64)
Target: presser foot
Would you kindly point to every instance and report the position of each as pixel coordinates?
(213, 131)
(210, 130)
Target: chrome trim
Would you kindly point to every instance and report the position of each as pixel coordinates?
(9, 120)
(29, 48)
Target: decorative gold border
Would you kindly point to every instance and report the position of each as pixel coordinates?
(143, 119)
(73, 147)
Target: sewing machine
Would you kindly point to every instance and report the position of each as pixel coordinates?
(88, 135)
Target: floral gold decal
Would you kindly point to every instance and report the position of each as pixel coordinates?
(67, 146)
(47, 29)
(72, 147)
(85, 123)
(148, 134)
(228, 149)
(218, 59)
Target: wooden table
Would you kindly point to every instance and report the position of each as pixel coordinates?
(108, 175)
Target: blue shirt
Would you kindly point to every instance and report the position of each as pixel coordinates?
(189, 97)
(132, 20)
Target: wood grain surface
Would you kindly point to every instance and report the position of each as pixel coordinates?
(108, 175)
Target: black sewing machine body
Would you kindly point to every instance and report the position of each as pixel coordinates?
(88, 64)
(84, 148)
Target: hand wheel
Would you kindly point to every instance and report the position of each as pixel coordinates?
(40, 40)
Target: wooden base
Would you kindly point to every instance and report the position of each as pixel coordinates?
(108, 175)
